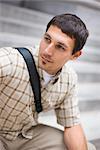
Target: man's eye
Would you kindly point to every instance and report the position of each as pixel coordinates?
(47, 39)
(60, 47)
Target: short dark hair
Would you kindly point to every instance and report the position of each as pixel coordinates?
(72, 26)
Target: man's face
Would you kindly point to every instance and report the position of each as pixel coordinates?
(55, 50)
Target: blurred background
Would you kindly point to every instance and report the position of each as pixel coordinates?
(23, 22)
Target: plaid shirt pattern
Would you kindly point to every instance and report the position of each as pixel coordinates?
(17, 108)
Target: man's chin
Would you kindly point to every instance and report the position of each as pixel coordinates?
(45, 69)
(42, 66)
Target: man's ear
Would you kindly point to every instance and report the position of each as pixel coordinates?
(76, 55)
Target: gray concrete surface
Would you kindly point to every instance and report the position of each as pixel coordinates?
(19, 27)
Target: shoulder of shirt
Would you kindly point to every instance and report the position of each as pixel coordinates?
(5, 48)
(34, 49)
(5, 60)
(69, 69)
(69, 73)
(5, 51)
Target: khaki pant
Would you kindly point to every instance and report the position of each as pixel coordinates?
(45, 138)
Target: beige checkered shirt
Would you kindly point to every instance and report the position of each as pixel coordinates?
(17, 109)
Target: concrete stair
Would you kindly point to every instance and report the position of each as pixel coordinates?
(22, 24)
(10, 39)
(22, 14)
(23, 27)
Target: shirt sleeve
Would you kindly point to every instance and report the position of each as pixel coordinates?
(5, 64)
(68, 113)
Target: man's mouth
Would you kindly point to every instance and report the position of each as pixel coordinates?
(46, 60)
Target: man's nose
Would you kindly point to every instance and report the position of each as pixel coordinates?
(49, 49)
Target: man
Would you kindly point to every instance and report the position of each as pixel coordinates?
(63, 40)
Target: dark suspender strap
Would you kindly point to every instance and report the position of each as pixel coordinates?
(34, 76)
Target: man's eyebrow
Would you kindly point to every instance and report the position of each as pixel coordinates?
(47, 35)
(62, 44)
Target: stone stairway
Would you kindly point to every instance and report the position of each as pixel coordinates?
(22, 27)
(17, 23)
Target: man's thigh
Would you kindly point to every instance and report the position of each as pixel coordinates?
(46, 138)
